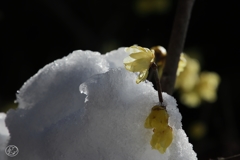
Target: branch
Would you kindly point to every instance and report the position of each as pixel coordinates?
(176, 44)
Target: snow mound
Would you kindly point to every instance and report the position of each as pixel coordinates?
(87, 106)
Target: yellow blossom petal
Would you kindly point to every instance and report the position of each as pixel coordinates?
(144, 51)
(140, 55)
(208, 85)
(162, 136)
(195, 86)
(181, 64)
(136, 49)
(139, 60)
(189, 77)
(157, 118)
(191, 99)
(142, 76)
(128, 60)
(161, 140)
(138, 65)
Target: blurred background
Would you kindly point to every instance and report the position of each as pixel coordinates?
(34, 33)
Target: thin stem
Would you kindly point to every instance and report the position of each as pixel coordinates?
(176, 44)
(157, 80)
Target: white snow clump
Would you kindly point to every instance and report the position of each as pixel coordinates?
(87, 106)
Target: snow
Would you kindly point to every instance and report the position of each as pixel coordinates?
(87, 106)
(4, 135)
(115, 57)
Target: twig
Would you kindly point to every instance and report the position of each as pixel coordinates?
(157, 80)
(176, 44)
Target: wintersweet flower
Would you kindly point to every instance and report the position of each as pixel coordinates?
(139, 60)
(189, 77)
(162, 136)
(195, 86)
(207, 86)
(205, 89)
(181, 64)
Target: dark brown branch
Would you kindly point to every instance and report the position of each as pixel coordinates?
(176, 44)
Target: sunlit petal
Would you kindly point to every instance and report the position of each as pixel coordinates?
(128, 60)
(139, 60)
(137, 66)
(140, 55)
(134, 49)
(207, 86)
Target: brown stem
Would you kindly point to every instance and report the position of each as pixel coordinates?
(157, 80)
(176, 44)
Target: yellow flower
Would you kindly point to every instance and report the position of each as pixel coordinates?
(189, 77)
(207, 86)
(139, 60)
(190, 98)
(196, 86)
(162, 136)
(181, 64)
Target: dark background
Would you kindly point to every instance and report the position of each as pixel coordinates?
(34, 33)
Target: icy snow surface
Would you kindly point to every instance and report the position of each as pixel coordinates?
(87, 106)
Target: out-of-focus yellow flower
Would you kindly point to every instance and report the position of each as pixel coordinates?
(189, 77)
(207, 86)
(139, 60)
(181, 64)
(162, 136)
(145, 7)
(198, 130)
(195, 86)
(190, 98)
